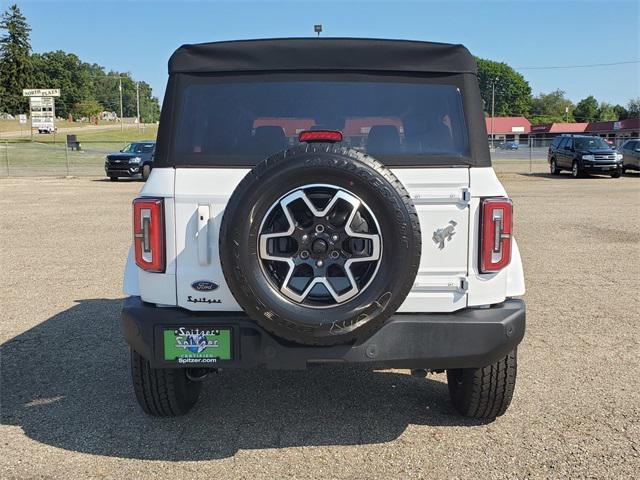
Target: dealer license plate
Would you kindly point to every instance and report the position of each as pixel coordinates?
(197, 344)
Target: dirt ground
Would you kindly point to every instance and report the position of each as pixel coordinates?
(68, 409)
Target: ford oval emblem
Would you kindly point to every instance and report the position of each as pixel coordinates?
(204, 286)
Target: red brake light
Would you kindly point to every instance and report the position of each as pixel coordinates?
(496, 232)
(148, 234)
(311, 136)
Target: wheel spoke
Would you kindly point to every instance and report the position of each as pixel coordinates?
(320, 244)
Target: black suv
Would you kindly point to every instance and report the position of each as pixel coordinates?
(582, 155)
(133, 161)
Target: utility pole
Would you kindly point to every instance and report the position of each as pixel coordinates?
(121, 115)
(138, 104)
(493, 105)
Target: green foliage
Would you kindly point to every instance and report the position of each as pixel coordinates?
(634, 107)
(550, 108)
(607, 112)
(512, 91)
(87, 108)
(82, 85)
(80, 82)
(15, 64)
(621, 112)
(586, 110)
(64, 71)
(106, 88)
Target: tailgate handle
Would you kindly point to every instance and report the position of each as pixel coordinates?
(202, 234)
(426, 196)
(458, 285)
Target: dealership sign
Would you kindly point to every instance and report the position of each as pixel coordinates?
(41, 92)
(42, 108)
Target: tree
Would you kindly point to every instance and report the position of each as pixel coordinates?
(87, 108)
(634, 107)
(551, 107)
(68, 73)
(106, 92)
(512, 91)
(586, 110)
(15, 64)
(621, 112)
(606, 112)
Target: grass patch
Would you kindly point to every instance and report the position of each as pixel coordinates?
(46, 155)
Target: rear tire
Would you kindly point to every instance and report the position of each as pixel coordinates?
(113, 179)
(553, 168)
(162, 392)
(484, 392)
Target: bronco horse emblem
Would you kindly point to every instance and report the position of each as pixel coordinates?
(442, 234)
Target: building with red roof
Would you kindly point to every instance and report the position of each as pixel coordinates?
(615, 131)
(628, 127)
(508, 128)
(558, 128)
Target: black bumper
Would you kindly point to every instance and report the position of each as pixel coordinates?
(122, 171)
(466, 338)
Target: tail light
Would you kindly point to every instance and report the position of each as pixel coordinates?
(495, 237)
(148, 234)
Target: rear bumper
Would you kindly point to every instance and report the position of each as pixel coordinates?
(463, 339)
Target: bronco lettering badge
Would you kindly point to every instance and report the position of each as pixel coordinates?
(442, 234)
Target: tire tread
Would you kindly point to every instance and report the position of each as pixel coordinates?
(156, 388)
(484, 392)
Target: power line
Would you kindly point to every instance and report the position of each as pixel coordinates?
(555, 67)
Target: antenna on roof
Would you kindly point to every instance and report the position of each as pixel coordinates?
(317, 29)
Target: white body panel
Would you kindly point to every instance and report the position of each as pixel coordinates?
(440, 196)
(447, 280)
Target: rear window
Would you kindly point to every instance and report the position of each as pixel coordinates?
(240, 123)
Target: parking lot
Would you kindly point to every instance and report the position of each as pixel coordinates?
(68, 408)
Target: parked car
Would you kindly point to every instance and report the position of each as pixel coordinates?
(584, 154)
(630, 151)
(553, 146)
(262, 240)
(508, 145)
(133, 161)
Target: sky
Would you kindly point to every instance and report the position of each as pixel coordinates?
(139, 37)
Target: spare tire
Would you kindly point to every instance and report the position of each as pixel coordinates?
(320, 244)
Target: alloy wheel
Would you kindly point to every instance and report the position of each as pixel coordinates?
(320, 245)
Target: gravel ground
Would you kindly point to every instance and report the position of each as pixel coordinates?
(68, 409)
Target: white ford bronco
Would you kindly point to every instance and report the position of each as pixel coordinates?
(320, 201)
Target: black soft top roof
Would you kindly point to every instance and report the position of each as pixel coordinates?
(322, 54)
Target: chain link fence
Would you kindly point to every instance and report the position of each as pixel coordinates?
(529, 155)
(22, 158)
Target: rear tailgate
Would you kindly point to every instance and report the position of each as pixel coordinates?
(441, 197)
